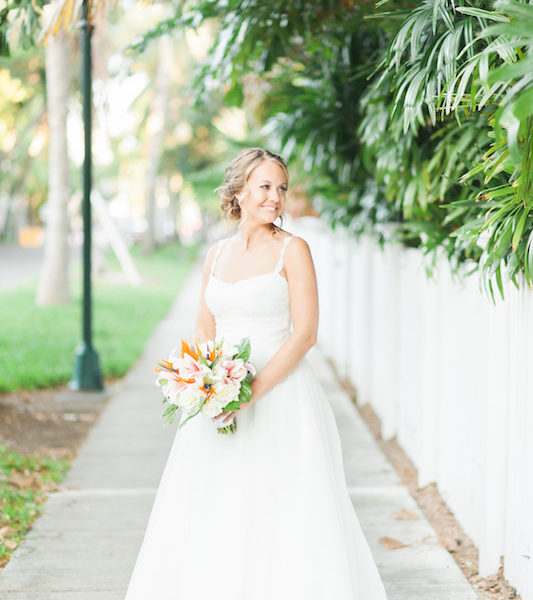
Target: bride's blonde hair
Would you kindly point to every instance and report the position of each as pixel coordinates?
(237, 174)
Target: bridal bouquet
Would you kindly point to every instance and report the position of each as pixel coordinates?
(208, 378)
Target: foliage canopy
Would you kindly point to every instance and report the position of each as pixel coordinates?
(411, 119)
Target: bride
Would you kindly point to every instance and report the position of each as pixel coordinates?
(263, 513)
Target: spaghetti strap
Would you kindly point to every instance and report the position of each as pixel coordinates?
(217, 252)
(286, 241)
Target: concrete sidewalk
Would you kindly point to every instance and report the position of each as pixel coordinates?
(85, 544)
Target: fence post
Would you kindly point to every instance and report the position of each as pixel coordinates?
(391, 346)
(430, 373)
(341, 300)
(494, 497)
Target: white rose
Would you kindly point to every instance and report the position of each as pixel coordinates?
(226, 393)
(190, 398)
(212, 407)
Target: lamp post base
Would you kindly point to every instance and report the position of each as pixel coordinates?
(87, 374)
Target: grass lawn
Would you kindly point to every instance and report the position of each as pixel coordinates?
(24, 481)
(37, 344)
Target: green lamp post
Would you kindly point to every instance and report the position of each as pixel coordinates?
(87, 374)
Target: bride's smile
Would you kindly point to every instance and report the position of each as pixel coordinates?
(263, 197)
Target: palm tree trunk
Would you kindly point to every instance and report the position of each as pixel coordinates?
(156, 129)
(53, 284)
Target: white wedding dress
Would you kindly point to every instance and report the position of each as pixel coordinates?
(264, 513)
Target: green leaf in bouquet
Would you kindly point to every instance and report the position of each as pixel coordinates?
(243, 349)
(170, 409)
(233, 405)
(202, 359)
(246, 391)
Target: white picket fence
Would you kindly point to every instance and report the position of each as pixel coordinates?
(448, 373)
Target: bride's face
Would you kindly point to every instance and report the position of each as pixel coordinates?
(263, 198)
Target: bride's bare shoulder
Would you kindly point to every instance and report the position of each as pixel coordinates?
(298, 254)
(297, 243)
(212, 251)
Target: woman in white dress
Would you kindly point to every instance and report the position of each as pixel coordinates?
(263, 513)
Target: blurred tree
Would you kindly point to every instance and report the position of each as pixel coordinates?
(313, 60)
(23, 138)
(156, 130)
(19, 24)
(53, 284)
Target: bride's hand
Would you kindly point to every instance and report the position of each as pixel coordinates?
(225, 416)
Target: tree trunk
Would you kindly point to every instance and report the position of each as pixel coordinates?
(53, 284)
(156, 130)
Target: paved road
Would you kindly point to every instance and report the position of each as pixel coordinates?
(18, 265)
(84, 546)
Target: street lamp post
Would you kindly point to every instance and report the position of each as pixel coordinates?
(87, 374)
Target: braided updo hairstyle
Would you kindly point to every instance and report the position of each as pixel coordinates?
(236, 177)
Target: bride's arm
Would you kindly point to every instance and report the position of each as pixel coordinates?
(303, 294)
(205, 322)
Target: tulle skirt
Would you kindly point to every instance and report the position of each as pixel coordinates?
(262, 514)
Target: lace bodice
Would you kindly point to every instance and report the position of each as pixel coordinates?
(257, 307)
